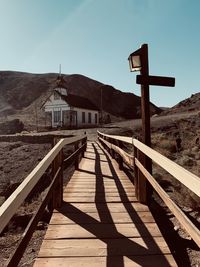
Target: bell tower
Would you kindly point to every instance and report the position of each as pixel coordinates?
(60, 83)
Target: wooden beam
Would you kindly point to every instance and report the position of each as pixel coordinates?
(155, 80)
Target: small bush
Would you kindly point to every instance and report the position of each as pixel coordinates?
(168, 145)
(186, 161)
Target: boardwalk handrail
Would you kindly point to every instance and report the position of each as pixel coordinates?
(55, 159)
(190, 180)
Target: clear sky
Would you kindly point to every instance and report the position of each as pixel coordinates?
(95, 38)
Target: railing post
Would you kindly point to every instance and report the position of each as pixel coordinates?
(77, 159)
(111, 151)
(120, 162)
(142, 182)
(60, 180)
(136, 172)
(85, 146)
(120, 159)
(57, 196)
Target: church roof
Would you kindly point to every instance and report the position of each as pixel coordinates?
(78, 101)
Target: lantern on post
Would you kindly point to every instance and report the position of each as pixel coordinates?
(135, 61)
(138, 61)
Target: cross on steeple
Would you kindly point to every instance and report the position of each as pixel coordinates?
(59, 80)
(60, 70)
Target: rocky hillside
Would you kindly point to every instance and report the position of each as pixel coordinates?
(23, 92)
(187, 105)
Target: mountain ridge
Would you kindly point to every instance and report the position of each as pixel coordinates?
(20, 90)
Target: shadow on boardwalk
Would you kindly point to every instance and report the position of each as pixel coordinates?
(145, 252)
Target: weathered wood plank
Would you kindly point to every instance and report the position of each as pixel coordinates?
(99, 190)
(90, 199)
(107, 194)
(136, 261)
(112, 207)
(144, 216)
(97, 247)
(99, 230)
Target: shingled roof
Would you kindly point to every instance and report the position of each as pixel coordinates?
(78, 101)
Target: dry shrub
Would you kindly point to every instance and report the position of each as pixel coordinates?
(186, 197)
(186, 161)
(164, 145)
(168, 145)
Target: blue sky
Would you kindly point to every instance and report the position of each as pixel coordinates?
(95, 38)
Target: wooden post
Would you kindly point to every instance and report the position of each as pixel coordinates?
(143, 185)
(57, 197)
(77, 159)
(120, 159)
(59, 190)
(120, 162)
(136, 172)
(85, 147)
(111, 151)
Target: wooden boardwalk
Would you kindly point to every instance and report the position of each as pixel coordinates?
(101, 223)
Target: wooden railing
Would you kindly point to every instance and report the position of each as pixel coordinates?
(53, 194)
(191, 181)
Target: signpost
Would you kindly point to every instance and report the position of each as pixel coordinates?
(138, 61)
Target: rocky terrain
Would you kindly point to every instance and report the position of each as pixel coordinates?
(189, 104)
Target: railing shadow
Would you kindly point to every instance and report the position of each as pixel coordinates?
(174, 240)
(105, 229)
(141, 227)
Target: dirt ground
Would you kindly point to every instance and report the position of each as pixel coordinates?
(18, 159)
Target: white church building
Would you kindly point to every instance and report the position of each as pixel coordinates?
(68, 110)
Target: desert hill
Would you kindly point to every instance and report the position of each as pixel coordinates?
(187, 105)
(23, 93)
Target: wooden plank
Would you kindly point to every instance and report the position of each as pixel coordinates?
(107, 181)
(99, 189)
(144, 216)
(89, 199)
(112, 207)
(99, 230)
(115, 247)
(92, 190)
(164, 260)
(155, 80)
(107, 194)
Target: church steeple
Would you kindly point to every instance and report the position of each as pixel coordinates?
(60, 80)
(60, 83)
